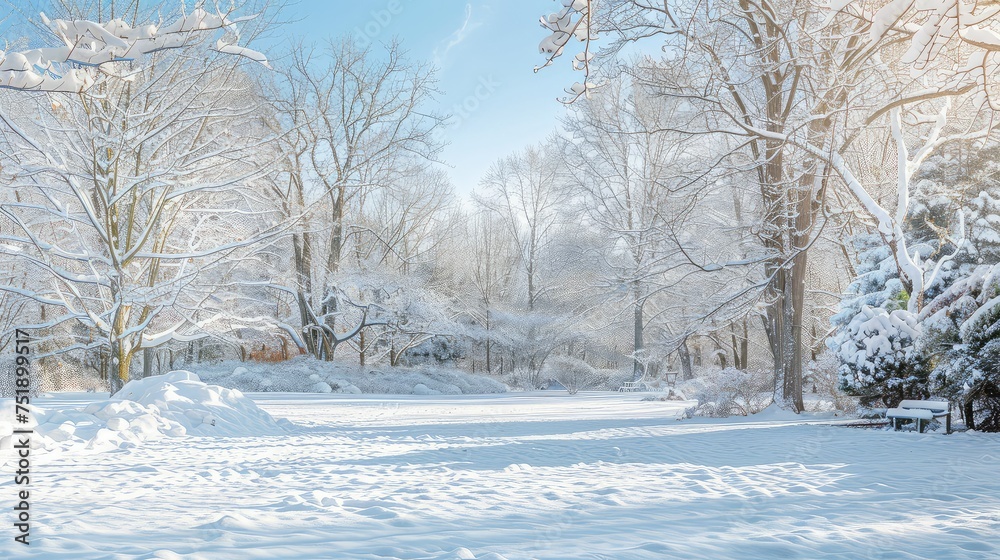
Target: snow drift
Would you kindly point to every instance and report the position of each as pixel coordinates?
(170, 405)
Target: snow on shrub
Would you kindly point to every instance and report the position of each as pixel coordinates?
(172, 405)
(730, 392)
(823, 378)
(573, 374)
(878, 356)
(523, 379)
(306, 374)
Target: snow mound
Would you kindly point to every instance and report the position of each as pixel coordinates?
(463, 553)
(421, 389)
(170, 405)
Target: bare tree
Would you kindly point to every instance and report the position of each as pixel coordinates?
(112, 191)
(526, 191)
(628, 169)
(493, 262)
(359, 124)
(745, 66)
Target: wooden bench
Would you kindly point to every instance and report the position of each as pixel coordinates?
(921, 412)
(630, 386)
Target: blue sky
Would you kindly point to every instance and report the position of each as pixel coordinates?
(485, 52)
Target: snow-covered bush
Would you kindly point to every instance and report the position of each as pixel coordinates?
(732, 391)
(522, 378)
(438, 350)
(307, 374)
(879, 359)
(573, 374)
(822, 376)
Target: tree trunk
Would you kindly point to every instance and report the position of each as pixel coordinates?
(738, 361)
(336, 244)
(745, 345)
(796, 302)
(685, 356)
(638, 370)
(361, 348)
(119, 367)
(968, 412)
(489, 365)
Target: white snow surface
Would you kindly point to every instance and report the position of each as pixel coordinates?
(520, 475)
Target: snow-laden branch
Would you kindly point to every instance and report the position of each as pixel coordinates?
(75, 65)
(574, 20)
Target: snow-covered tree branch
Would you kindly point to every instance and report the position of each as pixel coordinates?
(87, 49)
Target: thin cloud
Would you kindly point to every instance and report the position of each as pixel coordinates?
(457, 37)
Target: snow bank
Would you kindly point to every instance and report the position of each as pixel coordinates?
(308, 375)
(170, 405)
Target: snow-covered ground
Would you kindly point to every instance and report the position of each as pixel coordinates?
(514, 476)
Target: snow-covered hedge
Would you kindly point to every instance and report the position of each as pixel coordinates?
(307, 375)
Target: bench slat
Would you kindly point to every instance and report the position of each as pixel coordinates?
(941, 406)
(912, 413)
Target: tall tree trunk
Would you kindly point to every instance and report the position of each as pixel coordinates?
(774, 327)
(745, 345)
(336, 243)
(737, 362)
(120, 363)
(302, 246)
(489, 364)
(361, 348)
(687, 372)
(638, 370)
(721, 353)
(796, 297)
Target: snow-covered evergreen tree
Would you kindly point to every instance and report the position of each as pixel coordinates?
(961, 340)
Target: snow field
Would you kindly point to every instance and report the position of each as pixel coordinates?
(522, 475)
